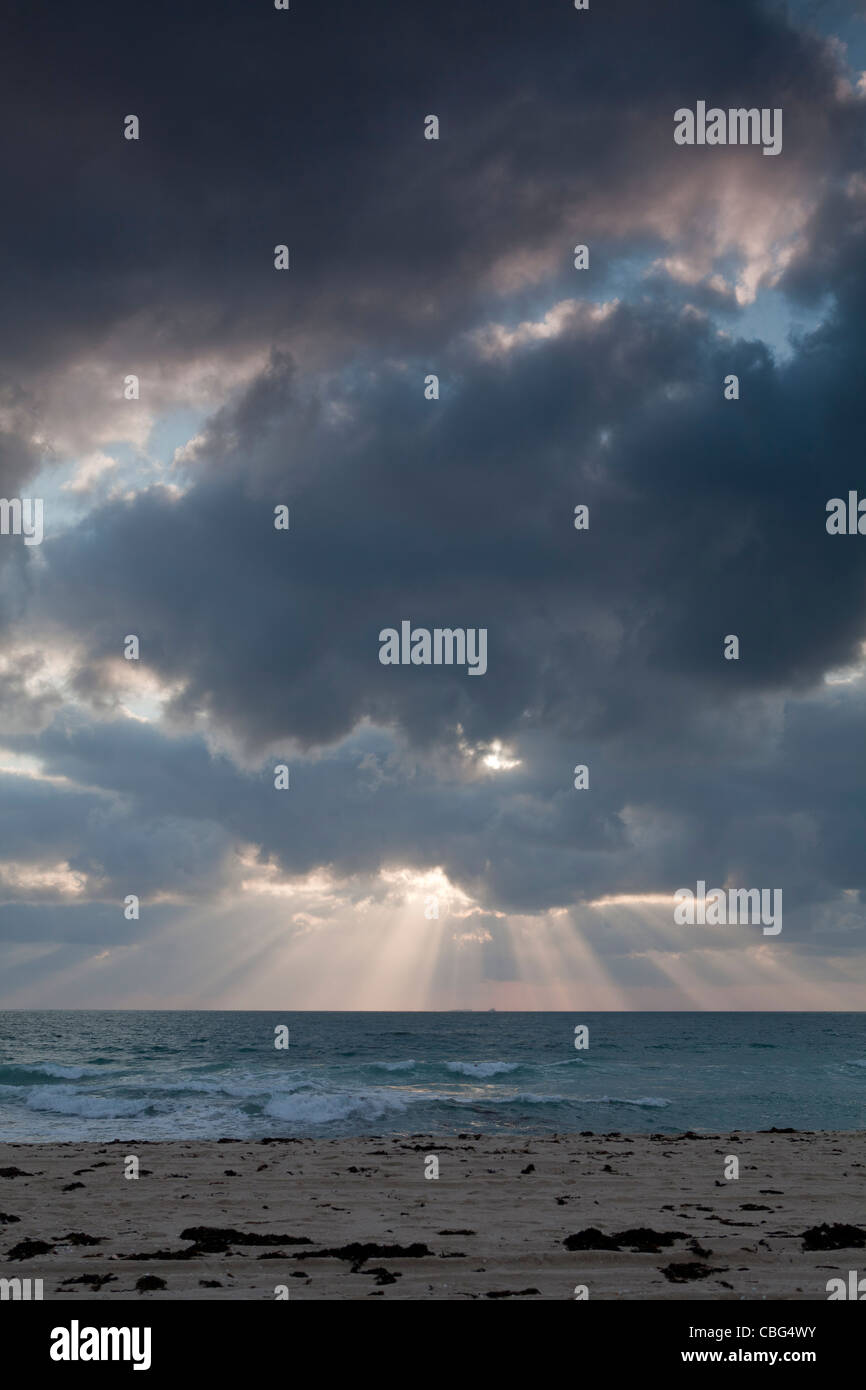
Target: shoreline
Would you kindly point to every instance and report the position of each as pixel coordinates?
(628, 1216)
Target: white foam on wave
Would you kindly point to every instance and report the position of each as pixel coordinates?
(234, 1090)
(521, 1098)
(324, 1107)
(65, 1073)
(482, 1069)
(408, 1065)
(42, 1069)
(65, 1100)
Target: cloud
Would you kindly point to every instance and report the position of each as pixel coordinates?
(306, 389)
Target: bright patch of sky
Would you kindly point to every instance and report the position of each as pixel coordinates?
(70, 488)
(776, 320)
(841, 19)
(772, 317)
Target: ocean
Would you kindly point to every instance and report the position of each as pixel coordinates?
(151, 1075)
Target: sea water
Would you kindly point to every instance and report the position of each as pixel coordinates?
(154, 1075)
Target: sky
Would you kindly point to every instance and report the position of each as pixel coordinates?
(431, 850)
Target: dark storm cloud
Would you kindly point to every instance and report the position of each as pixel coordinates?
(786, 810)
(34, 811)
(112, 839)
(74, 925)
(305, 127)
(707, 518)
(605, 647)
(17, 460)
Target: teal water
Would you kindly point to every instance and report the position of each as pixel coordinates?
(121, 1075)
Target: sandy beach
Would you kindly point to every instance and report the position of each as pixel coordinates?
(646, 1217)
